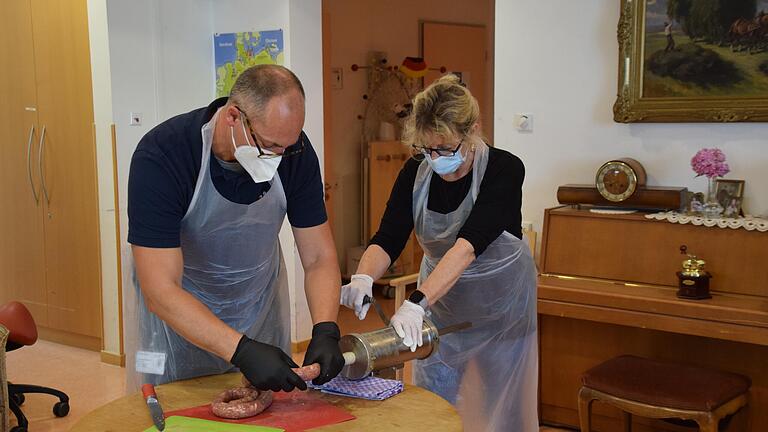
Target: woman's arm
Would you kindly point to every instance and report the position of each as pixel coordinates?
(448, 270)
(374, 262)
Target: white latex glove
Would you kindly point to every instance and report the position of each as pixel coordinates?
(352, 294)
(407, 323)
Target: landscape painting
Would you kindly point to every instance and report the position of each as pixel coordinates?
(705, 48)
(686, 61)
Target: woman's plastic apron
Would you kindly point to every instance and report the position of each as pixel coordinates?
(232, 264)
(490, 371)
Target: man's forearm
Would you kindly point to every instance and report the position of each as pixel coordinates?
(191, 319)
(322, 282)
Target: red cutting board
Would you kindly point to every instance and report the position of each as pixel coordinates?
(295, 411)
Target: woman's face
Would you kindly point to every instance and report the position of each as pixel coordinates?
(439, 145)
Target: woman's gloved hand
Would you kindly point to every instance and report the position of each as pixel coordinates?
(324, 349)
(267, 367)
(407, 323)
(352, 294)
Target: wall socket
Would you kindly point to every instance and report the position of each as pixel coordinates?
(135, 119)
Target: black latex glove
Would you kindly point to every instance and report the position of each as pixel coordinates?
(324, 349)
(267, 367)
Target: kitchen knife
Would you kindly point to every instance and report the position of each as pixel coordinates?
(148, 390)
(377, 307)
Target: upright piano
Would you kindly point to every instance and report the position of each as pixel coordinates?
(607, 287)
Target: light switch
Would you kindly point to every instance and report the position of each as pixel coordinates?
(524, 122)
(135, 119)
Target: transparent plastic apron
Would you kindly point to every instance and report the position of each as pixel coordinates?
(232, 264)
(490, 372)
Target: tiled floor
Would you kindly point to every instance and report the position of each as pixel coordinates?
(91, 383)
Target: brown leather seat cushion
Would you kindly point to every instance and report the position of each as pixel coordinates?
(665, 384)
(17, 319)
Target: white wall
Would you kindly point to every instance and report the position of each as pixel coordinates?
(305, 56)
(102, 109)
(558, 60)
(162, 65)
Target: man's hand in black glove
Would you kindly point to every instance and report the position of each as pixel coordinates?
(324, 349)
(266, 367)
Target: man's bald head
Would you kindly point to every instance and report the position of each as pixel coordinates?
(258, 85)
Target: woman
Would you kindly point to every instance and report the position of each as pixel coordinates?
(463, 200)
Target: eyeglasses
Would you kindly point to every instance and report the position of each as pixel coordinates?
(289, 151)
(439, 151)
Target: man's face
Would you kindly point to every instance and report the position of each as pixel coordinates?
(280, 124)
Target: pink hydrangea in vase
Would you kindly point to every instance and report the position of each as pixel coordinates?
(710, 163)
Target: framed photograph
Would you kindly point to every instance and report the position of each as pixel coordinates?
(694, 203)
(732, 208)
(730, 194)
(692, 61)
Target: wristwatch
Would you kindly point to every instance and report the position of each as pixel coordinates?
(418, 297)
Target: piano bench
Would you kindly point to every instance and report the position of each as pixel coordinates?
(658, 389)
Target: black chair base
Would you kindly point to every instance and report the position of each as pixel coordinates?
(16, 399)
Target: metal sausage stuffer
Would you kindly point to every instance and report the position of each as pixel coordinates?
(383, 349)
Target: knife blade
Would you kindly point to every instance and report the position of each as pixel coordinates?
(158, 418)
(377, 307)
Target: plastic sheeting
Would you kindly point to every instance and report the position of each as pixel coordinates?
(490, 371)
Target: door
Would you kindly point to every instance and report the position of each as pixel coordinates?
(22, 269)
(462, 49)
(63, 75)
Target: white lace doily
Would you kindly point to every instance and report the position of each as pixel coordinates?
(748, 223)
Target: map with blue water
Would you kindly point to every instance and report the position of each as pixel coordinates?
(235, 52)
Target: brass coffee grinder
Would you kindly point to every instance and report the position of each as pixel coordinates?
(693, 280)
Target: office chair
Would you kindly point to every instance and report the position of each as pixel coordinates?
(22, 332)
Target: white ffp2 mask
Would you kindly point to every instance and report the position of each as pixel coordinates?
(260, 169)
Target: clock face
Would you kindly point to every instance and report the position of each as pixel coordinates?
(616, 181)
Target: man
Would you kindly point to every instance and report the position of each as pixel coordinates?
(670, 40)
(207, 194)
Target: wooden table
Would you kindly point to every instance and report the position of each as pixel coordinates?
(414, 409)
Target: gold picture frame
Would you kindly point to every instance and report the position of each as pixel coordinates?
(633, 105)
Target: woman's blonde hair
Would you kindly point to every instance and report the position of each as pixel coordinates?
(445, 108)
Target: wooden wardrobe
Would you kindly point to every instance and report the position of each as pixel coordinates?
(49, 232)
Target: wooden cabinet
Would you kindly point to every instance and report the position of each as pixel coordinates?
(386, 159)
(49, 247)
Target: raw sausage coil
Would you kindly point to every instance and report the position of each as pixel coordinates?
(241, 402)
(246, 401)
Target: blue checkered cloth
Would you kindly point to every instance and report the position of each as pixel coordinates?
(371, 388)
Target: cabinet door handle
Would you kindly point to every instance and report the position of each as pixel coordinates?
(29, 164)
(40, 161)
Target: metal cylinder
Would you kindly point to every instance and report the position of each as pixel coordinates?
(381, 349)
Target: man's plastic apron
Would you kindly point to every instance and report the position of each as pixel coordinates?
(490, 372)
(232, 264)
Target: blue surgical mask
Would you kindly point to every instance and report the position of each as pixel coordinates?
(443, 165)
